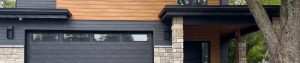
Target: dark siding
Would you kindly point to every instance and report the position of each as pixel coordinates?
(224, 2)
(36, 3)
(224, 51)
(20, 26)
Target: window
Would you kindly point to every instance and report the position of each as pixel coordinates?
(135, 37)
(205, 52)
(263, 2)
(7, 3)
(106, 37)
(76, 37)
(192, 2)
(41, 37)
(91, 37)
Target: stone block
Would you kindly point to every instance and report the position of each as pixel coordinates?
(21, 56)
(1, 51)
(156, 49)
(15, 50)
(158, 54)
(179, 40)
(177, 26)
(179, 50)
(2, 56)
(177, 45)
(162, 50)
(157, 59)
(177, 55)
(10, 61)
(178, 61)
(168, 50)
(2, 61)
(17, 56)
(21, 50)
(20, 61)
(167, 54)
(177, 33)
(8, 50)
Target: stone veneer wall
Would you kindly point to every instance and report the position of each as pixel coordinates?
(11, 54)
(177, 39)
(163, 54)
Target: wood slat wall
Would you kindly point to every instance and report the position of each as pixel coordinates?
(205, 33)
(114, 9)
(213, 2)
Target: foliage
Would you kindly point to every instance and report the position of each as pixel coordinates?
(264, 2)
(256, 48)
(232, 48)
(9, 3)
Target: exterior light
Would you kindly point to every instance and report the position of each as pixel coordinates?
(10, 32)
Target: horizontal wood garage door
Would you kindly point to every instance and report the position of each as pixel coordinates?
(89, 48)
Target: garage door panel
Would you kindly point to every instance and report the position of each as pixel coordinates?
(89, 52)
(99, 48)
(92, 61)
(85, 57)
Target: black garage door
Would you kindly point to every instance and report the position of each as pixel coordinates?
(83, 47)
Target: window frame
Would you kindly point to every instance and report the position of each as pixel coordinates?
(32, 39)
(94, 40)
(148, 37)
(63, 37)
(202, 4)
(90, 37)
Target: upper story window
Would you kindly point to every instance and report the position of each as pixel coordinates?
(7, 3)
(263, 2)
(192, 2)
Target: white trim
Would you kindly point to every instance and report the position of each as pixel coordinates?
(162, 46)
(11, 45)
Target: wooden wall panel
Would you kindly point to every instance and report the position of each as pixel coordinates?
(213, 2)
(114, 9)
(205, 33)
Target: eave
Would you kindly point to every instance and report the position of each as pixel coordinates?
(23, 14)
(220, 11)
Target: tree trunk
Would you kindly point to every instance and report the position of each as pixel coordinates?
(283, 48)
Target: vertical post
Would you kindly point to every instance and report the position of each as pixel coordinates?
(177, 39)
(241, 47)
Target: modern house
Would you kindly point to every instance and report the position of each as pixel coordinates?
(123, 31)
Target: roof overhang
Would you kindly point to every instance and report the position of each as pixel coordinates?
(24, 14)
(212, 13)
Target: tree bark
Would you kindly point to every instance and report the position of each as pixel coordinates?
(283, 48)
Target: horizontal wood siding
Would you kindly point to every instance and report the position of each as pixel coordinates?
(114, 9)
(205, 33)
(213, 2)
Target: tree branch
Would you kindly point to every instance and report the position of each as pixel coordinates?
(264, 23)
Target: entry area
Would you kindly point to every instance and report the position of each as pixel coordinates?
(196, 52)
(89, 47)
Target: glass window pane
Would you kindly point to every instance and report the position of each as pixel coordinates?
(205, 52)
(76, 37)
(7, 3)
(135, 37)
(106, 37)
(44, 37)
(192, 2)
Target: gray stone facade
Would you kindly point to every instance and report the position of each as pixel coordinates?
(177, 39)
(11, 54)
(163, 54)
